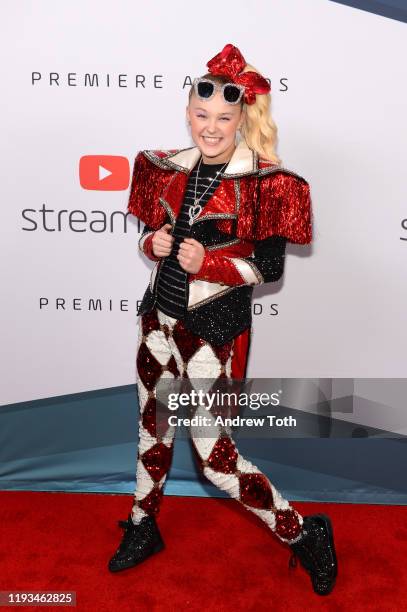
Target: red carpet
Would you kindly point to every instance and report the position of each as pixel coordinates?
(218, 555)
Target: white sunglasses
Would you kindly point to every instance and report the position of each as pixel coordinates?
(205, 90)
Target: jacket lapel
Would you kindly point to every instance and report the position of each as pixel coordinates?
(172, 197)
(223, 203)
(244, 161)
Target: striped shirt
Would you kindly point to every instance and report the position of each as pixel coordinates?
(172, 283)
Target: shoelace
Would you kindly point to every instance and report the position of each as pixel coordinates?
(130, 530)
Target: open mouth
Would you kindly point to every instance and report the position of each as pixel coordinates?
(211, 140)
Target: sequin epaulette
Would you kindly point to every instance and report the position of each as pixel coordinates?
(276, 203)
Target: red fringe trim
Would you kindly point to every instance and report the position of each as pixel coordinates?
(147, 184)
(281, 205)
(276, 204)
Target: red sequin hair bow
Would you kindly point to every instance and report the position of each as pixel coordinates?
(230, 63)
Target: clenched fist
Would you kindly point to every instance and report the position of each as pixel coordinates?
(162, 241)
(190, 255)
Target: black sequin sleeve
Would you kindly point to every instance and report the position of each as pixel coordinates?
(268, 258)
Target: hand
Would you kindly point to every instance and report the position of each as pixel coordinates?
(190, 255)
(162, 241)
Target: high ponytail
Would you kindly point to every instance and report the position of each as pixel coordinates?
(259, 129)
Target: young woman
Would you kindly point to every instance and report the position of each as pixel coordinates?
(217, 218)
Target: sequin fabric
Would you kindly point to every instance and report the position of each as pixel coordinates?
(230, 63)
(166, 348)
(138, 542)
(172, 281)
(148, 183)
(244, 227)
(267, 263)
(316, 550)
(220, 320)
(275, 201)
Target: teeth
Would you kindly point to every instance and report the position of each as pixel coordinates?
(212, 138)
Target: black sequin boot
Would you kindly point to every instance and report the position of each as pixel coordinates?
(316, 551)
(139, 542)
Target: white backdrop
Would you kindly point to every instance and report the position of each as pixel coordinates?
(339, 101)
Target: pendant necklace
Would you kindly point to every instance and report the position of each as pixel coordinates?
(196, 208)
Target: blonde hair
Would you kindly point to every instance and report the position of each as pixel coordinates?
(258, 128)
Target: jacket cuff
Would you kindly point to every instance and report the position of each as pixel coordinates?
(146, 245)
(218, 269)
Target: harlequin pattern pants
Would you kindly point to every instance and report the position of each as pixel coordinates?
(167, 349)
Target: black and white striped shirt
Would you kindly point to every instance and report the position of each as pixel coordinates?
(173, 280)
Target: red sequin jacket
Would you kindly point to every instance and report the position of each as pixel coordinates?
(256, 208)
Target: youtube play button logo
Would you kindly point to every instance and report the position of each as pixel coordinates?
(104, 172)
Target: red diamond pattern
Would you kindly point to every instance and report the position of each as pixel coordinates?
(223, 456)
(223, 352)
(155, 418)
(157, 460)
(150, 322)
(255, 491)
(254, 488)
(287, 524)
(148, 367)
(151, 502)
(186, 342)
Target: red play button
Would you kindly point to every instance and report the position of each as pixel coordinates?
(104, 172)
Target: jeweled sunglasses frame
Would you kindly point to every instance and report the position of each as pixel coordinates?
(217, 87)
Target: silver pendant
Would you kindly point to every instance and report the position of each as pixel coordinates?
(194, 212)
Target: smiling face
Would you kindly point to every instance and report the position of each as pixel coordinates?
(214, 124)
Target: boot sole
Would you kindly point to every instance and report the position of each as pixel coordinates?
(327, 521)
(329, 528)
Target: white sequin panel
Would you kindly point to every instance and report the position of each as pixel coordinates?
(144, 481)
(245, 270)
(146, 440)
(246, 466)
(204, 436)
(204, 364)
(177, 355)
(169, 436)
(158, 346)
(279, 501)
(266, 515)
(165, 319)
(142, 394)
(227, 482)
